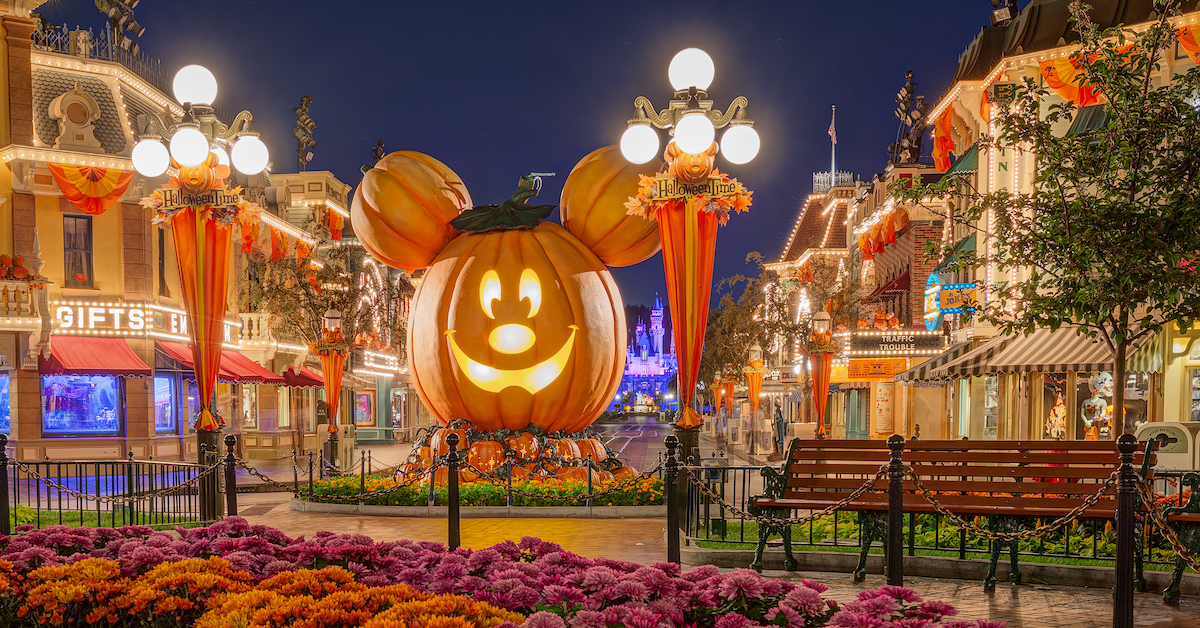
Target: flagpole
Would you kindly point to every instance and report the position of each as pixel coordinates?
(832, 150)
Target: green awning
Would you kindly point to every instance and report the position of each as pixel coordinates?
(968, 162)
(1148, 357)
(1088, 118)
(965, 245)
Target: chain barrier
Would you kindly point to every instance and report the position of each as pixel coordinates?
(299, 471)
(1156, 515)
(317, 497)
(1040, 531)
(258, 474)
(107, 499)
(624, 484)
(717, 499)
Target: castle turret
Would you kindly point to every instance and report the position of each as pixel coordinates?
(656, 325)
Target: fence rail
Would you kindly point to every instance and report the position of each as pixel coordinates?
(84, 43)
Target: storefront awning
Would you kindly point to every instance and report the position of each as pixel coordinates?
(968, 162)
(304, 378)
(840, 386)
(1088, 118)
(1148, 356)
(919, 375)
(70, 355)
(1052, 352)
(965, 245)
(248, 371)
(973, 363)
(235, 367)
(895, 285)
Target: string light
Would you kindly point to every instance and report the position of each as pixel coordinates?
(56, 156)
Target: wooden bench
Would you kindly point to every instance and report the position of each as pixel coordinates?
(1008, 482)
(1185, 519)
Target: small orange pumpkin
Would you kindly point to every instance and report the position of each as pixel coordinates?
(688, 167)
(441, 447)
(579, 474)
(524, 445)
(402, 209)
(591, 446)
(625, 472)
(486, 455)
(593, 207)
(564, 448)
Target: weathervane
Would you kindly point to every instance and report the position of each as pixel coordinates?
(303, 132)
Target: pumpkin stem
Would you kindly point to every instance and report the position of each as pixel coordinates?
(514, 213)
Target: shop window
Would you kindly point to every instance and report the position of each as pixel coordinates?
(1054, 401)
(1137, 393)
(225, 403)
(77, 251)
(1195, 400)
(285, 408)
(301, 408)
(1093, 395)
(5, 424)
(81, 404)
(193, 405)
(250, 406)
(162, 263)
(991, 406)
(164, 404)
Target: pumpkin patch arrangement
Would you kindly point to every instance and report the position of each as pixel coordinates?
(516, 337)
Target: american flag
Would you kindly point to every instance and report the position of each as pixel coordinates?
(832, 131)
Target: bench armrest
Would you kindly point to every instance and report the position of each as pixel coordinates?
(1192, 481)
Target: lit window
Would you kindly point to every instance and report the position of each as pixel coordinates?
(81, 404)
(77, 251)
(164, 404)
(5, 426)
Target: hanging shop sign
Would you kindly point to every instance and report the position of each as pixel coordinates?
(933, 313)
(883, 406)
(875, 368)
(177, 198)
(127, 318)
(897, 342)
(956, 298)
(1003, 92)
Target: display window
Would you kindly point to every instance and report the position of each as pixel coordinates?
(1195, 395)
(81, 404)
(193, 405)
(1093, 395)
(302, 408)
(991, 406)
(5, 412)
(1054, 401)
(250, 406)
(164, 404)
(285, 408)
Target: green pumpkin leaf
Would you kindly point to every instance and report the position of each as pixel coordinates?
(514, 213)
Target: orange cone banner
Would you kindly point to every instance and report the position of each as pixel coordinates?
(689, 238)
(202, 246)
(1189, 40)
(332, 363)
(822, 362)
(727, 388)
(754, 384)
(93, 190)
(943, 143)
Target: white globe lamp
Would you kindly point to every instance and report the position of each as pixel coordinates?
(691, 67)
(740, 144)
(639, 143)
(195, 84)
(150, 158)
(249, 155)
(694, 133)
(189, 147)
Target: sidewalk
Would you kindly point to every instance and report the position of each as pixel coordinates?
(641, 540)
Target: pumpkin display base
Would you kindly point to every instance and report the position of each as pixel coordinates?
(489, 456)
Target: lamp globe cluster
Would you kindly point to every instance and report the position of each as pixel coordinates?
(189, 146)
(690, 73)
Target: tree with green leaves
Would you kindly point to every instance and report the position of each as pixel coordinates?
(1108, 236)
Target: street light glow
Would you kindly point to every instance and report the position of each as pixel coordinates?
(250, 155)
(694, 133)
(150, 158)
(740, 144)
(189, 147)
(195, 84)
(639, 144)
(691, 67)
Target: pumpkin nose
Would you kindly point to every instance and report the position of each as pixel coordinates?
(511, 338)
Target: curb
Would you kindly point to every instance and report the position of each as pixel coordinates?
(937, 567)
(475, 512)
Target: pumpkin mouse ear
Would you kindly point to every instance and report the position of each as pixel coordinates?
(593, 208)
(402, 209)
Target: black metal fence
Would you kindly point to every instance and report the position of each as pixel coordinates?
(85, 43)
(103, 493)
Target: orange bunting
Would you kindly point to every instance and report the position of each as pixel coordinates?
(865, 245)
(93, 190)
(943, 142)
(303, 250)
(336, 223)
(985, 108)
(889, 229)
(250, 233)
(1189, 40)
(279, 243)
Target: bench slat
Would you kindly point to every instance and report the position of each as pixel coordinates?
(802, 485)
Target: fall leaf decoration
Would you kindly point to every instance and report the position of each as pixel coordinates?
(646, 204)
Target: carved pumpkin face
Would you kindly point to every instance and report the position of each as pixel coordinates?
(516, 328)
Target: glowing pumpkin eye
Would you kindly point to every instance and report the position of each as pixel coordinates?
(531, 289)
(489, 291)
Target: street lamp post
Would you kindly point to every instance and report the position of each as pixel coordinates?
(689, 200)
(821, 352)
(754, 377)
(201, 209)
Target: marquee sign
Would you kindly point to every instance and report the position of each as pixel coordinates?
(954, 298)
(119, 318)
(875, 368)
(668, 187)
(899, 341)
(176, 198)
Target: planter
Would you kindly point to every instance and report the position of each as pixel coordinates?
(477, 512)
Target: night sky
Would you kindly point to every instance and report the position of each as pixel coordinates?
(499, 89)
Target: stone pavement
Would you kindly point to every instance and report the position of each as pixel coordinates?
(641, 540)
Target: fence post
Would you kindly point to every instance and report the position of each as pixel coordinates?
(589, 490)
(452, 491)
(1126, 527)
(509, 455)
(129, 491)
(230, 476)
(310, 476)
(895, 527)
(295, 475)
(5, 520)
(321, 463)
(671, 492)
(362, 477)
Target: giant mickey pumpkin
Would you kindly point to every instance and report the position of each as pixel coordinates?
(516, 323)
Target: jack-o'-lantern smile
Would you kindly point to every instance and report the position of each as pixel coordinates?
(511, 339)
